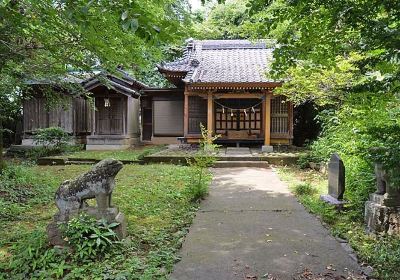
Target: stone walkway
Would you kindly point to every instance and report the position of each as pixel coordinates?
(252, 227)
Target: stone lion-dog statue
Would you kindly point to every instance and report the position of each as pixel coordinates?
(98, 183)
(72, 195)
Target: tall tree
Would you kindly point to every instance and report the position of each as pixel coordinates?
(224, 20)
(345, 54)
(47, 39)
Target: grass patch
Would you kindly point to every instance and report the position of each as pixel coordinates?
(381, 252)
(304, 189)
(155, 199)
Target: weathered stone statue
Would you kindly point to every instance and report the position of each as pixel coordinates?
(381, 179)
(71, 197)
(382, 210)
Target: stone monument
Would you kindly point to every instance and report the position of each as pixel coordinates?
(336, 182)
(71, 199)
(382, 210)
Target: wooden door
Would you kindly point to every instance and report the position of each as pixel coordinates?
(109, 119)
(116, 114)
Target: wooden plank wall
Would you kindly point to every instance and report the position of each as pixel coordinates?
(197, 114)
(73, 118)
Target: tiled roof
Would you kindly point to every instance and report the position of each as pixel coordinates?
(223, 61)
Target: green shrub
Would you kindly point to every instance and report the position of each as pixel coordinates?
(32, 258)
(204, 158)
(51, 141)
(90, 238)
(54, 137)
(386, 255)
(304, 189)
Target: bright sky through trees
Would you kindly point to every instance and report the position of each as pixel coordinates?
(196, 4)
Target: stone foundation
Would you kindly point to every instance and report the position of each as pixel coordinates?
(380, 218)
(267, 149)
(111, 142)
(75, 140)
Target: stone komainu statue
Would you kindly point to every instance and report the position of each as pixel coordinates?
(381, 179)
(98, 183)
(71, 197)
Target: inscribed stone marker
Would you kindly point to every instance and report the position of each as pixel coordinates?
(336, 177)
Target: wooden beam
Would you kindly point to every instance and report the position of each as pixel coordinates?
(239, 95)
(210, 113)
(267, 125)
(186, 115)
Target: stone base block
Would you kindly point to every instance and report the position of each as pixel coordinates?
(160, 140)
(376, 198)
(107, 147)
(267, 149)
(382, 219)
(332, 200)
(111, 142)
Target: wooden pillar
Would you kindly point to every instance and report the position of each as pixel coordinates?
(210, 113)
(267, 125)
(93, 115)
(186, 115)
(290, 120)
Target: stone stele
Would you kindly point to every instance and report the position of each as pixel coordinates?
(71, 197)
(336, 181)
(336, 177)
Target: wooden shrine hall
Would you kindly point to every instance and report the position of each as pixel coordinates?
(222, 84)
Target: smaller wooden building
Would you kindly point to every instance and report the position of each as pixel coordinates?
(72, 113)
(115, 121)
(108, 120)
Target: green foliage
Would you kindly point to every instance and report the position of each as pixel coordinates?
(32, 257)
(332, 54)
(304, 189)
(54, 137)
(321, 84)
(204, 158)
(90, 238)
(20, 190)
(37, 152)
(54, 43)
(149, 150)
(224, 21)
(156, 204)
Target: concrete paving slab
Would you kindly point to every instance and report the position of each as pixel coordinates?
(252, 227)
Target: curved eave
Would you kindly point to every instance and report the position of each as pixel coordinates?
(89, 86)
(174, 77)
(171, 73)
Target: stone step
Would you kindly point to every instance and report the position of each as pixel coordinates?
(79, 162)
(241, 158)
(230, 164)
(238, 151)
